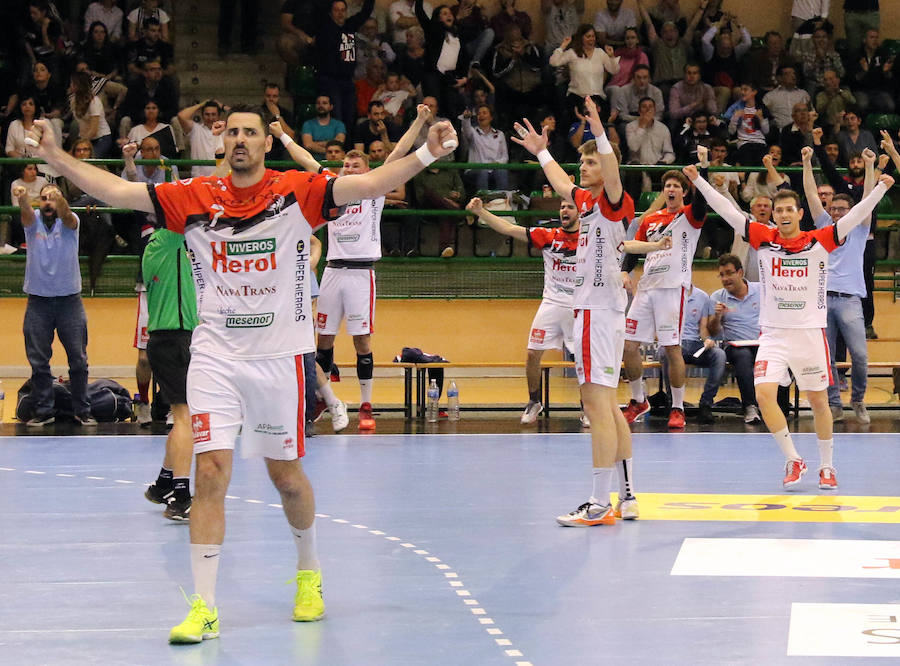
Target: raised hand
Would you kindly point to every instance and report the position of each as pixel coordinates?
(275, 129)
(218, 127)
(609, 51)
(806, 154)
(883, 159)
(129, 150)
(530, 139)
(423, 112)
(19, 191)
(817, 135)
(475, 206)
(869, 157)
(565, 43)
(887, 143)
(442, 139)
(767, 160)
(691, 172)
(664, 243)
(703, 155)
(887, 180)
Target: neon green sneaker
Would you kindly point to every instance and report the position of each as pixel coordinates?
(308, 603)
(201, 623)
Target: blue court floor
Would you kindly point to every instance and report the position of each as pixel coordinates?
(443, 549)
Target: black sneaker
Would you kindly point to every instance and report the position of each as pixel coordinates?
(705, 415)
(179, 511)
(159, 496)
(40, 421)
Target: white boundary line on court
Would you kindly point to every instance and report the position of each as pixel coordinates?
(451, 577)
(328, 436)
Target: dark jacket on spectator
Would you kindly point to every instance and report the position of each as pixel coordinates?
(336, 45)
(435, 32)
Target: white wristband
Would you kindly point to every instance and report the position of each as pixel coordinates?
(286, 139)
(544, 157)
(604, 147)
(424, 155)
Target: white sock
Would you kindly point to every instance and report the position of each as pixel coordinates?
(365, 390)
(603, 478)
(305, 540)
(205, 568)
(328, 395)
(826, 450)
(786, 444)
(637, 390)
(626, 480)
(678, 397)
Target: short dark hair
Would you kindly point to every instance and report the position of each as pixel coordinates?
(637, 68)
(150, 21)
(732, 259)
(646, 99)
(717, 142)
(374, 102)
(271, 84)
(782, 67)
(700, 113)
(335, 142)
(248, 108)
(211, 102)
(787, 194)
(675, 174)
(844, 197)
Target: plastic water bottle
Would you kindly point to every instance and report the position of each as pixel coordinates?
(453, 402)
(431, 412)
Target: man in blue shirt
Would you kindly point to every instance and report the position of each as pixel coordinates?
(735, 313)
(53, 285)
(317, 132)
(846, 287)
(694, 338)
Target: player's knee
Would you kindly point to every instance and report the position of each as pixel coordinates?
(362, 344)
(211, 474)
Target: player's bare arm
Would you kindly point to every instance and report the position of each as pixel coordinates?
(495, 222)
(423, 115)
(645, 247)
(297, 152)
(862, 212)
(26, 212)
(869, 159)
(63, 212)
(609, 165)
(536, 144)
(442, 140)
(100, 184)
(809, 183)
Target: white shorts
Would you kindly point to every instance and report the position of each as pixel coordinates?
(141, 336)
(599, 342)
(263, 399)
(552, 327)
(346, 293)
(803, 350)
(656, 311)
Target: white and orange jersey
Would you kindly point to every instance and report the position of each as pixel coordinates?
(558, 247)
(600, 245)
(672, 267)
(356, 235)
(249, 250)
(793, 275)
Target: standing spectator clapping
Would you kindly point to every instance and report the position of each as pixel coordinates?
(588, 64)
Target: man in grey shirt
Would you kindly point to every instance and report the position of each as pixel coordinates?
(626, 99)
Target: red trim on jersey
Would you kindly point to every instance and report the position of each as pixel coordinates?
(371, 301)
(827, 358)
(137, 323)
(586, 345)
(681, 311)
(585, 202)
(760, 233)
(301, 405)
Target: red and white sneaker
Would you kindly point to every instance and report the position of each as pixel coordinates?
(793, 472)
(635, 410)
(827, 479)
(366, 419)
(676, 419)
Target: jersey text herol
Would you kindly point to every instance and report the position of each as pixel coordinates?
(558, 248)
(599, 255)
(250, 247)
(356, 234)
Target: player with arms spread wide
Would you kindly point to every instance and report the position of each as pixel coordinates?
(599, 305)
(793, 274)
(249, 235)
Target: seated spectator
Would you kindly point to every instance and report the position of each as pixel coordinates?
(138, 17)
(649, 142)
(23, 122)
(402, 14)
(439, 189)
(872, 76)
(796, 135)
(377, 151)
(695, 132)
(721, 54)
(588, 64)
(859, 16)
(691, 94)
(725, 183)
(101, 55)
(853, 140)
(765, 64)
(781, 101)
(735, 314)
(298, 22)
(369, 45)
(32, 182)
(150, 48)
(626, 99)
(446, 64)
(580, 131)
(151, 126)
(561, 19)
(631, 56)
(272, 111)
(336, 51)
(148, 149)
(398, 95)
(669, 51)
(151, 87)
(376, 73)
(87, 110)
(760, 211)
(487, 145)
(317, 132)
(334, 151)
(474, 34)
(816, 56)
(749, 124)
(373, 127)
(695, 338)
(613, 22)
(109, 14)
(206, 143)
(509, 16)
(111, 93)
(833, 101)
(411, 63)
(831, 148)
(48, 95)
(517, 71)
(765, 185)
